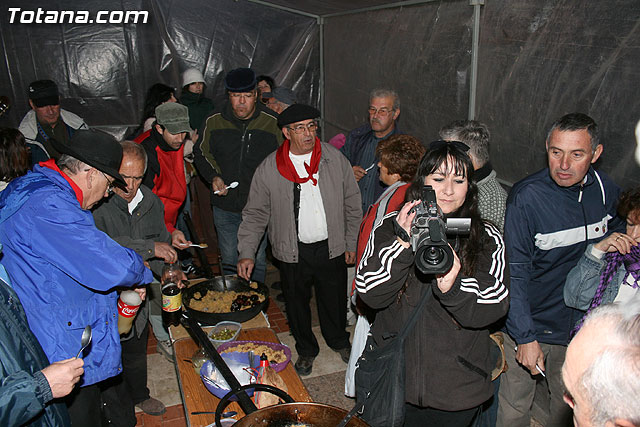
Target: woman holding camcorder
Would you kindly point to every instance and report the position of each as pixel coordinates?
(447, 353)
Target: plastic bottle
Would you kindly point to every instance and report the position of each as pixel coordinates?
(171, 295)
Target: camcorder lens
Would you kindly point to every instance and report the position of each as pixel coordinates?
(434, 259)
(433, 255)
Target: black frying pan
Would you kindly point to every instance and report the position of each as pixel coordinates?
(233, 283)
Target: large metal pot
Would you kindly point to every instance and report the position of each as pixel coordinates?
(291, 414)
(233, 283)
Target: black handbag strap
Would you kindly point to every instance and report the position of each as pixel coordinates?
(410, 323)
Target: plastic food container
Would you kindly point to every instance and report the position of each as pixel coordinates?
(275, 346)
(234, 327)
(238, 363)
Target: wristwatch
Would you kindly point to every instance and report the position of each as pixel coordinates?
(401, 232)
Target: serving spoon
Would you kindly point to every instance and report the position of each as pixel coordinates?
(234, 184)
(85, 340)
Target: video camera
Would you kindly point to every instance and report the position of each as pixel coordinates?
(429, 235)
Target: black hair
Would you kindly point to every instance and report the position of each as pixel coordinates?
(14, 154)
(185, 88)
(451, 157)
(269, 80)
(577, 121)
(157, 94)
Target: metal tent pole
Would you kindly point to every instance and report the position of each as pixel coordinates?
(475, 43)
(321, 83)
(380, 7)
(288, 9)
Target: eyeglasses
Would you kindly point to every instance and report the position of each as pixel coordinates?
(311, 127)
(110, 186)
(268, 101)
(237, 95)
(382, 112)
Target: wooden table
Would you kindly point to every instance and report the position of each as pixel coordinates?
(197, 398)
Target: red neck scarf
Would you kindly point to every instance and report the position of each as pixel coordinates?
(288, 171)
(51, 164)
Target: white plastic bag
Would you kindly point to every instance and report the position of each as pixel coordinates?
(359, 340)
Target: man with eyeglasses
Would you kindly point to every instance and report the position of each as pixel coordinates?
(63, 268)
(360, 150)
(232, 144)
(361, 143)
(134, 217)
(306, 196)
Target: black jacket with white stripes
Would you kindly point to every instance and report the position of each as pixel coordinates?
(448, 365)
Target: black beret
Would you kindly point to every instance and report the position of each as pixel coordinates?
(297, 113)
(240, 80)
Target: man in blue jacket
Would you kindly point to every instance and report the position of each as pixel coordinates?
(360, 146)
(551, 217)
(63, 268)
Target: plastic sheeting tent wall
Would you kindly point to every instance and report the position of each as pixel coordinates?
(104, 70)
(537, 60)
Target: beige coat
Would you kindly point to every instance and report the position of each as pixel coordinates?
(270, 204)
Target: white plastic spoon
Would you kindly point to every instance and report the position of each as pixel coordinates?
(199, 245)
(234, 184)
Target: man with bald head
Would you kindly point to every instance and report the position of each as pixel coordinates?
(134, 217)
(601, 372)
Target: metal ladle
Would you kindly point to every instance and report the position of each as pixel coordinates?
(224, 281)
(85, 340)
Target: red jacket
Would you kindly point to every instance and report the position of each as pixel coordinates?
(165, 174)
(391, 200)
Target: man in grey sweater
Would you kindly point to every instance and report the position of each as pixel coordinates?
(492, 197)
(134, 217)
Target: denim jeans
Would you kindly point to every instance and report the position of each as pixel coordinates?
(155, 311)
(227, 225)
(489, 410)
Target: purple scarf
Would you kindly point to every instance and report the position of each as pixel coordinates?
(614, 260)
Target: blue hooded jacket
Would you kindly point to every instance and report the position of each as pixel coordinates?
(64, 270)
